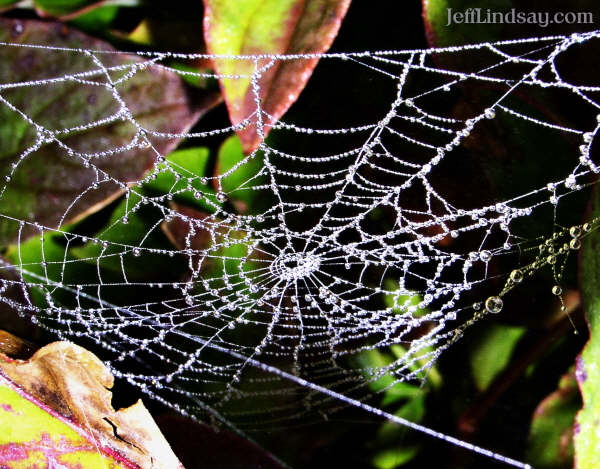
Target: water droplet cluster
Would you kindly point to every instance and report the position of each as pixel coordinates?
(300, 281)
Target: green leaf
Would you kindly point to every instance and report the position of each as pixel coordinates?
(11, 319)
(41, 255)
(587, 426)
(48, 185)
(413, 410)
(246, 27)
(190, 74)
(402, 303)
(7, 3)
(551, 433)
(183, 179)
(129, 243)
(391, 458)
(240, 173)
(410, 401)
(97, 20)
(62, 8)
(492, 351)
(375, 360)
(46, 256)
(440, 33)
(411, 303)
(218, 247)
(421, 361)
(390, 434)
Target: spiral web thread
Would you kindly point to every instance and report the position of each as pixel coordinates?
(270, 321)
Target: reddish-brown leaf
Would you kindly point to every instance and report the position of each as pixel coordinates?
(251, 27)
(70, 387)
(49, 185)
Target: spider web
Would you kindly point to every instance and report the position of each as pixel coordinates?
(279, 304)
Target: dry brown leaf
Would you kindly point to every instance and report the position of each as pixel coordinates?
(74, 383)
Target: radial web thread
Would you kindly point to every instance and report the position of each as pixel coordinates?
(280, 300)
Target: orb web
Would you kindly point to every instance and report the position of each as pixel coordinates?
(260, 314)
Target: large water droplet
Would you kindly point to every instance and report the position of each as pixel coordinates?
(516, 276)
(494, 304)
(485, 256)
